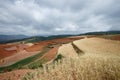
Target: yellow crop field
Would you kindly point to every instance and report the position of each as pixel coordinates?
(100, 61)
(99, 46)
(67, 50)
(87, 67)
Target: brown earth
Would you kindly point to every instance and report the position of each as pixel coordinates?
(50, 54)
(37, 46)
(15, 75)
(40, 45)
(4, 53)
(116, 37)
(7, 50)
(113, 37)
(12, 53)
(88, 45)
(17, 57)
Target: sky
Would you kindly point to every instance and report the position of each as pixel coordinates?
(54, 17)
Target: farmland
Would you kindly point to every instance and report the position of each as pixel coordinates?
(82, 54)
(97, 62)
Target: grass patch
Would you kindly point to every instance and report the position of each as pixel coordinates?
(36, 64)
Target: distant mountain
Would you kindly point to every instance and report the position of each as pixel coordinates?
(102, 33)
(6, 38)
(26, 39)
(39, 38)
(19, 38)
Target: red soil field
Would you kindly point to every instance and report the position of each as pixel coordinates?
(17, 57)
(50, 54)
(14, 75)
(64, 40)
(117, 37)
(11, 49)
(39, 46)
(112, 37)
(4, 53)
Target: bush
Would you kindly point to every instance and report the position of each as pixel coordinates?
(59, 57)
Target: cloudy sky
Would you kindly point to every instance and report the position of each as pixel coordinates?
(48, 17)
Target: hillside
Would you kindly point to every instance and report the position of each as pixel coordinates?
(100, 61)
(98, 46)
(63, 54)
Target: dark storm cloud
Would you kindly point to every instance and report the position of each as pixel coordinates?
(46, 17)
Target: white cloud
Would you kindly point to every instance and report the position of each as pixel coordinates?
(42, 17)
(97, 23)
(69, 26)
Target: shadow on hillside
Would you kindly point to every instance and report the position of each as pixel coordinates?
(78, 51)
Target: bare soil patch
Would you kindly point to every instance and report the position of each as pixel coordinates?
(39, 46)
(14, 75)
(17, 57)
(51, 54)
(5, 53)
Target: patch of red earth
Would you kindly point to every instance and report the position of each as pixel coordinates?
(40, 45)
(90, 36)
(17, 57)
(64, 40)
(21, 47)
(15, 75)
(11, 55)
(37, 46)
(11, 49)
(4, 53)
(50, 55)
(117, 37)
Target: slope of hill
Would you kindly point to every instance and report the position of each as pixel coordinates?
(100, 61)
(83, 57)
(99, 46)
(29, 52)
(67, 50)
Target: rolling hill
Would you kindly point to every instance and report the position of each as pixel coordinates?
(63, 56)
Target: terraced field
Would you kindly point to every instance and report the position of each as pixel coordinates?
(90, 45)
(99, 59)
(67, 50)
(17, 57)
(46, 52)
(99, 46)
(28, 54)
(4, 53)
